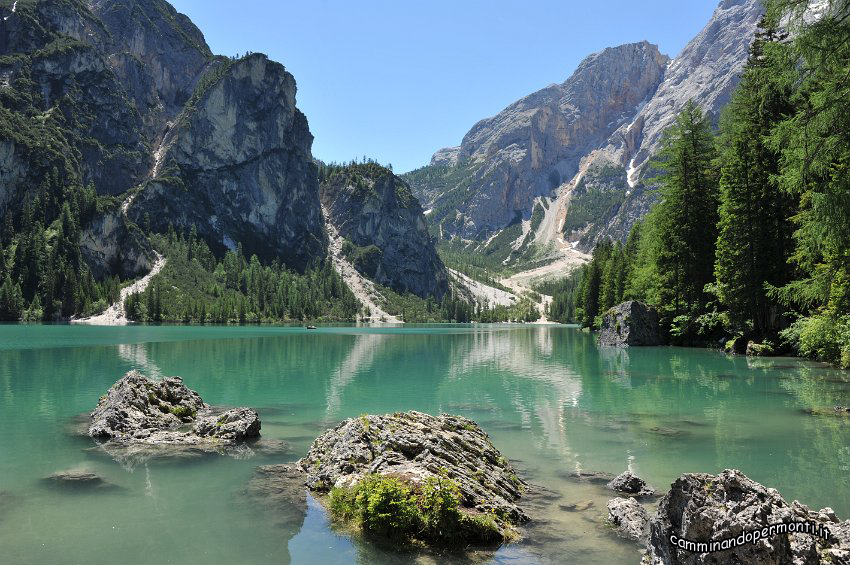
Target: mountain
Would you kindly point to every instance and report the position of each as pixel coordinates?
(534, 145)
(119, 125)
(606, 119)
(386, 235)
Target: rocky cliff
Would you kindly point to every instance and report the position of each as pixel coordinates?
(237, 165)
(706, 71)
(610, 113)
(132, 102)
(529, 149)
(387, 237)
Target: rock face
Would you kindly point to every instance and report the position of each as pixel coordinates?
(111, 244)
(706, 71)
(613, 110)
(534, 145)
(375, 210)
(630, 323)
(413, 447)
(140, 418)
(706, 508)
(131, 98)
(239, 157)
(630, 518)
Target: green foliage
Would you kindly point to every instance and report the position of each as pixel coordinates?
(197, 287)
(821, 337)
(755, 238)
(814, 142)
(381, 505)
(183, 412)
(365, 259)
(687, 215)
(564, 298)
(386, 506)
(598, 191)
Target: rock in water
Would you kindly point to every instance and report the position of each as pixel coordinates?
(137, 405)
(238, 424)
(77, 480)
(140, 418)
(630, 518)
(415, 452)
(629, 483)
(704, 508)
(631, 323)
(415, 446)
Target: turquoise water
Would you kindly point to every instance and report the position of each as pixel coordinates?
(550, 399)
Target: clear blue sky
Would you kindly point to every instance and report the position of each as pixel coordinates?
(398, 79)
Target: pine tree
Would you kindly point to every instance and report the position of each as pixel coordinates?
(755, 237)
(815, 164)
(686, 216)
(11, 300)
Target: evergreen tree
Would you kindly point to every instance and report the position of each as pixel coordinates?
(11, 300)
(755, 237)
(686, 217)
(815, 165)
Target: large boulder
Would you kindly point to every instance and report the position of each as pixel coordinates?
(629, 483)
(141, 418)
(463, 491)
(709, 509)
(631, 323)
(416, 446)
(136, 405)
(630, 518)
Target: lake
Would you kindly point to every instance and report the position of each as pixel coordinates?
(551, 401)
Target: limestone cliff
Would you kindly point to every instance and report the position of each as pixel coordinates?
(237, 165)
(536, 144)
(128, 98)
(388, 238)
(611, 112)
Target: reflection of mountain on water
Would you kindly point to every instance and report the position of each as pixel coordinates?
(136, 355)
(360, 358)
(521, 369)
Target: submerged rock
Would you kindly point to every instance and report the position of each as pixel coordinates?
(630, 518)
(631, 323)
(281, 491)
(594, 477)
(707, 508)
(141, 418)
(580, 506)
(629, 483)
(77, 479)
